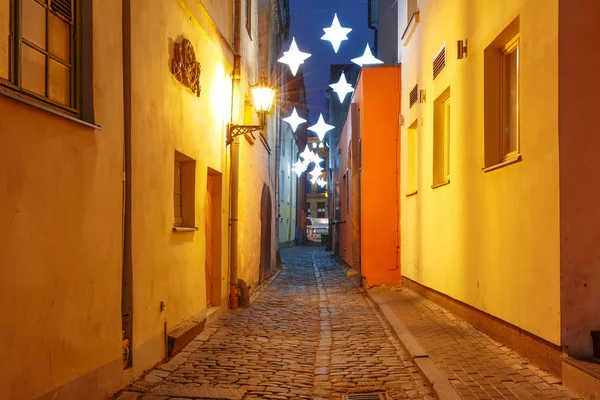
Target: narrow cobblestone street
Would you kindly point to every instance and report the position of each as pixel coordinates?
(310, 335)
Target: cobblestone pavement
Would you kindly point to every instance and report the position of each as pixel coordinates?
(477, 366)
(310, 335)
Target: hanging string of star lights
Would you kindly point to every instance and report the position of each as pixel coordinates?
(367, 58)
(316, 174)
(336, 33)
(293, 57)
(306, 155)
(321, 128)
(316, 159)
(299, 167)
(321, 182)
(342, 87)
(294, 120)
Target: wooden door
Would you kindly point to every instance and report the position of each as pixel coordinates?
(265, 234)
(209, 241)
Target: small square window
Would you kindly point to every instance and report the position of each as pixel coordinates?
(441, 139)
(184, 182)
(412, 149)
(501, 97)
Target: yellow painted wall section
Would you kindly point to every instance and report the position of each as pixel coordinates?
(60, 246)
(256, 161)
(489, 239)
(169, 266)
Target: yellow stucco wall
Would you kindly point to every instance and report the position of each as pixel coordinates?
(169, 266)
(257, 161)
(60, 246)
(489, 239)
(287, 187)
(62, 186)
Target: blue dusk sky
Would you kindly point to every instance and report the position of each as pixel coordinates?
(308, 18)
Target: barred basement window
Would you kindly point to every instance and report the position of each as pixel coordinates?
(41, 50)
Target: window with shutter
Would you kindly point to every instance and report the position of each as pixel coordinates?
(39, 50)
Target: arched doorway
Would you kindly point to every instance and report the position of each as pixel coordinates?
(266, 217)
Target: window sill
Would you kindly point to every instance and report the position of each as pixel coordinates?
(49, 109)
(184, 229)
(412, 193)
(265, 142)
(504, 163)
(437, 185)
(411, 28)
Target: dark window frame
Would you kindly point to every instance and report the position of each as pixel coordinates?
(249, 17)
(81, 61)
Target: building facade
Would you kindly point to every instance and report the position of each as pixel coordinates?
(119, 156)
(367, 231)
(383, 20)
(496, 207)
(317, 204)
(292, 96)
(338, 113)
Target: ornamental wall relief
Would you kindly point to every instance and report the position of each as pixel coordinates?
(185, 67)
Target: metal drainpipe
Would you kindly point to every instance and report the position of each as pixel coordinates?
(292, 155)
(235, 164)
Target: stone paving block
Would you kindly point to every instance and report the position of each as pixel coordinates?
(310, 334)
(128, 396)
(490, 369)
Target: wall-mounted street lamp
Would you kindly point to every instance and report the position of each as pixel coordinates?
(262, 96)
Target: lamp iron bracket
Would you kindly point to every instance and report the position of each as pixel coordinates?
(237, 130)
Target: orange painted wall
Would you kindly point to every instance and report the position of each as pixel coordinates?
(378, 94)
(346, 217)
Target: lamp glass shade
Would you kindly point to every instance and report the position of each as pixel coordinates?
(263, 98)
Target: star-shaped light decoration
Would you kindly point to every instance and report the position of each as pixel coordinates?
(294, 120)
(321, 128)
(336, 33)
(314, 179)
(342, 88)
(299, 167)
(316, 159)
(293, 57)
(321, 182)
(306, 155)
(367, 58)
(315, 173)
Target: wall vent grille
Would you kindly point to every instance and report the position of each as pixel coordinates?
(414, 95)
(439, 62)
(63, 8)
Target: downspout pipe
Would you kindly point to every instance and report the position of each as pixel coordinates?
(234, 174)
